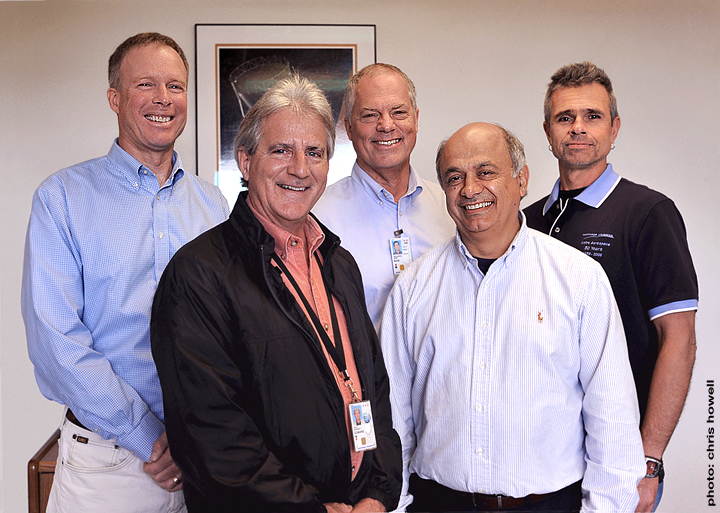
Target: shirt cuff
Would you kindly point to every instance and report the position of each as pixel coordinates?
(141, 439)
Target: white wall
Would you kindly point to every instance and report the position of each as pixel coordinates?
(470, 60)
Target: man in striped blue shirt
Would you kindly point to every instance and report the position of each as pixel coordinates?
(509, 377)
(99, 237)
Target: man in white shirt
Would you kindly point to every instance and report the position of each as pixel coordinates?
(384, 200)
(509, 377)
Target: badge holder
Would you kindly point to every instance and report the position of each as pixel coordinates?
(363, 428)
(400, 251)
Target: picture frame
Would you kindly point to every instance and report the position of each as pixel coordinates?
(237, 63)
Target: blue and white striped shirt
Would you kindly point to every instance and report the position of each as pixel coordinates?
(99, 238)
(494, 379)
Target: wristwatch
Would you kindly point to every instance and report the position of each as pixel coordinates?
(653, 466)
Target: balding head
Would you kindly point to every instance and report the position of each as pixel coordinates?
(482, 186)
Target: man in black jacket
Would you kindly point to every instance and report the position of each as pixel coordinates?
(263, 344)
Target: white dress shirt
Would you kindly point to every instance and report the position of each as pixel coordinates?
(494, 379)
(364, 215)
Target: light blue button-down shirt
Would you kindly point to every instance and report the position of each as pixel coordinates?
(365, 216)
(496, 378)
(99, 238)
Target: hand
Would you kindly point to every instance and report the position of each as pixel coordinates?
(647, 488)
(368, 506)
(336, 507)
(162, 468)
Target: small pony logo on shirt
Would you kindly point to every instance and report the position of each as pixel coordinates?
(540, 317)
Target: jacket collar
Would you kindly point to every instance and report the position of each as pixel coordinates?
(253, 234)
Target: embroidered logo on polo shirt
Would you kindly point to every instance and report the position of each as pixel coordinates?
(594, 244)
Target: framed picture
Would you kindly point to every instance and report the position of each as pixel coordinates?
(236, 64)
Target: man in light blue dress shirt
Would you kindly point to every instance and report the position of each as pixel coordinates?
(99, 237)
(384, 203)
(509, 377)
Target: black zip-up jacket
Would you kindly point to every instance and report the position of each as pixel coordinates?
(254, 417)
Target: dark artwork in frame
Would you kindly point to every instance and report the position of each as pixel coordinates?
(246, 73)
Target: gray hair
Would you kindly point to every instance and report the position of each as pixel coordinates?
(294, 92)
(143, 39)
(576, 75)
(374, 70)
(515, 148)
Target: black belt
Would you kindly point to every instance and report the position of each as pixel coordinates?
(485, 501)
(501, 501)
(72, 418)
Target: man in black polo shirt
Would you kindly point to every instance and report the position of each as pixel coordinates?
(639, 238)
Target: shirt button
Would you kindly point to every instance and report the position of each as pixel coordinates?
(144, 171)
(293, 243)
(479, 407)
(479, 451)
(157, 197)
(557, 229)
(326, 327)
(484, 325)
(282, 256)
(381, 203)
(400, 214)
(481, 490)
(161, 235)
(136, 184)
(481, 366)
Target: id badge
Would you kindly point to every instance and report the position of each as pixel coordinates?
(363, 428)
(401, 253)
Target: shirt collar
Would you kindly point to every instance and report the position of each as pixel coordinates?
(375, 189)
(594, 194)
(131, 168)
(506, 258)
(285, 242)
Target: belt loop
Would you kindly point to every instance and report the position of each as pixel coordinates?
(499, 499)
(473, 498)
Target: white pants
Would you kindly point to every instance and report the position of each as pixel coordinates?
(95, 476)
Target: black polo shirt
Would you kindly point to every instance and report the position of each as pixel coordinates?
(639, 238)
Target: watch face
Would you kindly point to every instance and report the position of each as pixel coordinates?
(652, 468)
